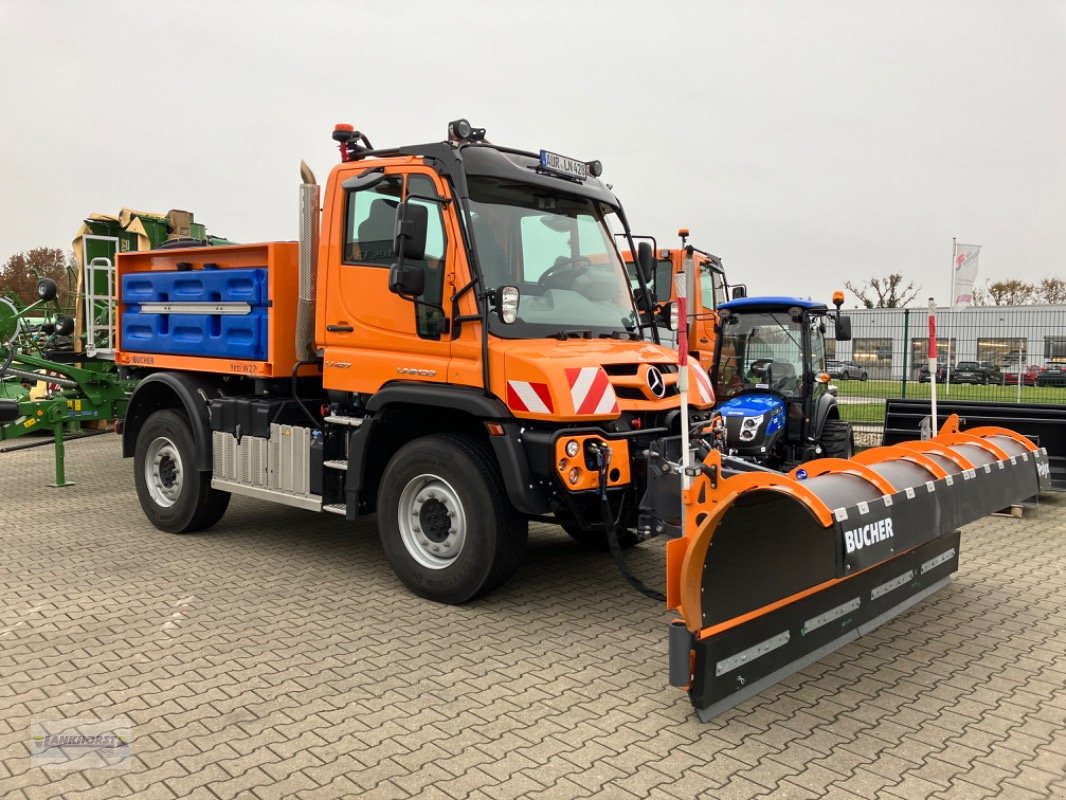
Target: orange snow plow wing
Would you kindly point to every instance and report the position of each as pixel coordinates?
(774, 571)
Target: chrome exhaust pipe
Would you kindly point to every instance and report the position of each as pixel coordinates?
(310, 205)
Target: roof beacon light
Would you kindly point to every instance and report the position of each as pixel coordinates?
(348, 141)
(838, 298)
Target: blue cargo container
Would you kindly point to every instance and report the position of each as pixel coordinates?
(242, 335)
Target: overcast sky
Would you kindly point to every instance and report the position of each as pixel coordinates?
(806, 143)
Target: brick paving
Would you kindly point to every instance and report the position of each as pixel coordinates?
(276, 656)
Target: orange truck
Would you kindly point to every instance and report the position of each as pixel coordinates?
(706, 289)
(452, 344)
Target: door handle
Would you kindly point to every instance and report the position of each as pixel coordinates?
(340, 328)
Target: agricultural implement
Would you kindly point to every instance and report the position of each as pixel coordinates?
(773, 570)
(41, 391)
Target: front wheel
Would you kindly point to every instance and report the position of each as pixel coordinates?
(175, 496)
(446, 524)
(838, 439)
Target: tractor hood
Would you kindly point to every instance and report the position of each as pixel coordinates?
(753, 421)
(582, 379)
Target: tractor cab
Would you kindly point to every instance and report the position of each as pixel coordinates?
(771, 382)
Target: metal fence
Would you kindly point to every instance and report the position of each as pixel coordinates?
(1011, 348)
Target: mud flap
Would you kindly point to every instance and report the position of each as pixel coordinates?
(775, 571)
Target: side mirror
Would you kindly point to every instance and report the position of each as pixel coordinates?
(405, 280)
(646, 260)
(412, 222)
(740, 291)
(644, 299)
(843, 326)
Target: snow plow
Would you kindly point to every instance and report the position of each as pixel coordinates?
(772, 571)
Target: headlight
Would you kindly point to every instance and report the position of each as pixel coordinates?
(575, 473)
(572, 448)
(751, 423)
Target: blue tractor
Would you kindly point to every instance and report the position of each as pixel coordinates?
(770, 379)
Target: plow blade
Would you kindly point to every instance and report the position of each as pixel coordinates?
(774, 571)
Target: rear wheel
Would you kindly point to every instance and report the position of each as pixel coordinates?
(864, 376)
(446, 525)
(838, 439)
(175, 496)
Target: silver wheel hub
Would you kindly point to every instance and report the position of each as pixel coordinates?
(432, 521)
(163, 472)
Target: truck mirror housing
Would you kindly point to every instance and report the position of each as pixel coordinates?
(407, 280)
(412, 221)
(739, 292)
(843, 329)
(646, 260)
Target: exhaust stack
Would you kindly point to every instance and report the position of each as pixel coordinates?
(310, 206)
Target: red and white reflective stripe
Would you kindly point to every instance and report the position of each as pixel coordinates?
(703, 384)
(591, 391)
(532, 397)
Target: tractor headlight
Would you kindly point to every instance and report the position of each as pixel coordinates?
(749, 427)
(572, 448)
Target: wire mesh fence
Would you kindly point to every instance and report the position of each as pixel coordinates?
(1011, 354)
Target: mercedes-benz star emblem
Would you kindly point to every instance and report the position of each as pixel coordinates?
(655, 382)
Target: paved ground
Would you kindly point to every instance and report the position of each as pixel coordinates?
(276, 656)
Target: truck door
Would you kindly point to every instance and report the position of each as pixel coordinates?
(373, 336)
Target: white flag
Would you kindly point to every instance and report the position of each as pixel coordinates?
(965, 274)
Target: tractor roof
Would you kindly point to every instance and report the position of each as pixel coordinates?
(773, 304)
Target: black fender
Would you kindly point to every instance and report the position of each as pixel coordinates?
(509, 450)
(188, 392)
(827, 408)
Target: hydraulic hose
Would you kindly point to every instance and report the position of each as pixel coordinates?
(603, 461)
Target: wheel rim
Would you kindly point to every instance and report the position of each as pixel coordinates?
(432, 521)
(163, 473)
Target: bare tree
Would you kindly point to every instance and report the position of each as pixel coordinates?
(20, 273)
(1050, 290)
(885, 291)
(1005, 293)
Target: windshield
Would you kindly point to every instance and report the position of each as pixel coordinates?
(558, 250)
(760, 351)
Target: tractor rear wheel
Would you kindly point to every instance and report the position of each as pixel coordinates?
(838, 439)
(446, 524)
(175, 496)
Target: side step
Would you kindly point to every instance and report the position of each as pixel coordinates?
(336, 508)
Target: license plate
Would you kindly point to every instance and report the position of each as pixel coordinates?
(561, 165)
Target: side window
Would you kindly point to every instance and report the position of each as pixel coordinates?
(817, 346)
(429, 315)
(370, 223)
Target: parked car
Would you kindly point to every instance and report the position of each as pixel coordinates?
(846, 370)
(1053, 373)
(923, 373)
(977, 372)
(1028, 376)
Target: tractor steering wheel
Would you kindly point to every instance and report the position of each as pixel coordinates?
(758, 367)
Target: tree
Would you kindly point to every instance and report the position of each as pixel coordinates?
(1050, 290)
(885, 291)
(20, 273)
(1014, 292)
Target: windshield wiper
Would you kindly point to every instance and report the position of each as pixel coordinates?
(631, 335)
(564, 335)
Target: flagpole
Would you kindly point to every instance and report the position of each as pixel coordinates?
(951, 307)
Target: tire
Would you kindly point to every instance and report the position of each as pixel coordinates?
(597, 540)
(175, 496)
(468, 539)
(864, 377)
(844, 376)
(838, 439)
